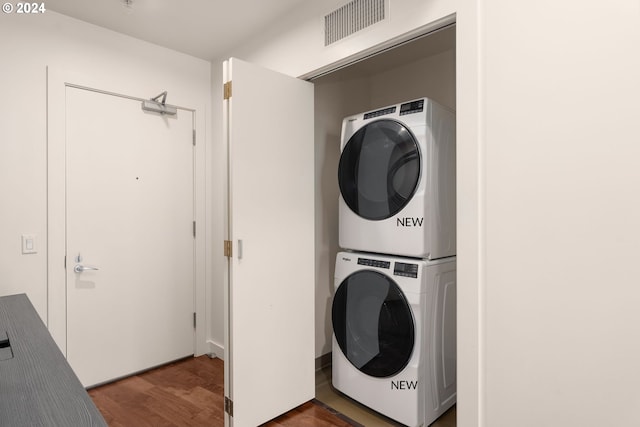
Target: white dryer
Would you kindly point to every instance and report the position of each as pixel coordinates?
(397, 178)
(394, 340)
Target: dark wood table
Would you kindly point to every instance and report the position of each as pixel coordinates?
(37, 385)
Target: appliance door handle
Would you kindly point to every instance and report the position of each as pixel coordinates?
(239, 248)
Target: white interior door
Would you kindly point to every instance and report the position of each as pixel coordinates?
(129, 213)
(269, 363)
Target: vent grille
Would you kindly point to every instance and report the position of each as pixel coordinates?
(351, 18)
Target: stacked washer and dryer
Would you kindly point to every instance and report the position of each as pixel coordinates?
(394, 309)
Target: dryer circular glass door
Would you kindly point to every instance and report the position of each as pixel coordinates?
(373, 324)
(379, 169)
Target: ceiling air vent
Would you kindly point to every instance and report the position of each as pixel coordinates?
(352, 17)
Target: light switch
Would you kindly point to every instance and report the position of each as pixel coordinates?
(29, 244)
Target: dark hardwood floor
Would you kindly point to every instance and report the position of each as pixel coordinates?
(188, 393)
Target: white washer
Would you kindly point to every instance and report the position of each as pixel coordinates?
(397, 177)
(394, 340)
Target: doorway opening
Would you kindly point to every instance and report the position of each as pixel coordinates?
(422, 67)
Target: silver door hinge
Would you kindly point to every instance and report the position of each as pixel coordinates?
(194, 137)
(194, 229)
(194, 320)
(227, 248)
(228, 406)
(226, 90)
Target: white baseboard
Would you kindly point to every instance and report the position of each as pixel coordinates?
(215, 349)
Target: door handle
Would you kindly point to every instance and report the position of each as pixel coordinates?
(79, 268)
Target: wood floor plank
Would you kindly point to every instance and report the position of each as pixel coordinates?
(118, 413)
(202, 397)
(184, 394)
(308, 415)
(170, 406)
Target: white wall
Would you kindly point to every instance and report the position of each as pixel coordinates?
(561, 218)
(110, 61)
(470, 216)
(219, 232)
(433, 76)
(296, 45)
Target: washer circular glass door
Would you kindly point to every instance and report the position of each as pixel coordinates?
(379, 169)
(373, 324)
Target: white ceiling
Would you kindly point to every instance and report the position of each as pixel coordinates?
(206, 29)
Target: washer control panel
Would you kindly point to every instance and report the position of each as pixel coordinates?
(405, 270)
(374, 263)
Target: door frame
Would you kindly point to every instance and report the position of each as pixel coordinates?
(58, 79)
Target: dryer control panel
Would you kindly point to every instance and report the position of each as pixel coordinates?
(374, 263)
(379, 113)
(412, 107)
(405, 270)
